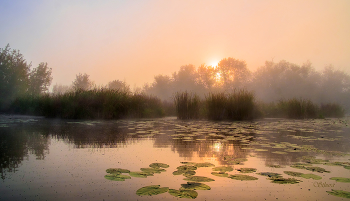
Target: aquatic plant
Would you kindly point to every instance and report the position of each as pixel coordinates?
(159, 165)
(331, 110)
(339, 193)
(220, 174)
(223, 169)
(117, 171)
(183, 193)
(280, 180)
(117, 177)
(194, 186)
(247, 170)
(269, 174)
(198, 179)
(340, 179)
(152, 170)
(187, 105)
(140, 174)
(151, 190)
(242, 177)
(306, 176)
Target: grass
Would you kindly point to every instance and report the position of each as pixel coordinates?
(91, 104)
(187, 105)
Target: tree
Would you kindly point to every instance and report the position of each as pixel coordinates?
(82, 82)
(207, 76)
(119, 85)
(161, 87)
(233, 73)
(60, 89)
(40, 79)
(14, 75)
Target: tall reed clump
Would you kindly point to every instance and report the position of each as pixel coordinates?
(235, 106)
(186, 105)
(91, 104)
(298, 108)
(331, 110)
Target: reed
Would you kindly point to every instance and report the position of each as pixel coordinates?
(186, 105)
(331, 110)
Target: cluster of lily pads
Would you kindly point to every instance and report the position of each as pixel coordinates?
(188, 170)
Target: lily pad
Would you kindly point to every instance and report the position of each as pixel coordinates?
(183, 193)
(237, 161)
(206, 164)
(311, 176)
(140, 174)
(152, 170)
(194, 186)
(276, 166)
(223, 169)
(294, 174)
(339, 193)
(242, 177)
(220, 174)
(159, 165)
(151, 190)
(117, 177)
(269, 174)
(341, 179)
(117, 171)
(198, 179)
(317, 169)
(247, 170)
(280, 180)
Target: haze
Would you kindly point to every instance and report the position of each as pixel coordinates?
(136, 40)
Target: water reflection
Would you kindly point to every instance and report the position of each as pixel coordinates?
(21, 137)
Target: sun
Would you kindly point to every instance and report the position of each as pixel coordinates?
(214, 63)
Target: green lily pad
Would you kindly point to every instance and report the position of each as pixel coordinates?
(275, 166)
(280, 180)
(339, 193)
(117, 177)
(311, 176)
(159, 165)
(117, 171)
(279, 152)
(223, 169)
(236, 161)
(269, 174)
(341, 179)
(189, 163)
(294, 174)
(247, 170)
(186, 168)
(242, 177)
(198, 179)
(317, 169)
(220, 174)
(194, 186)
(151, 190)
(183, 193)
(152, 170)
(206, 164)
(140, 174)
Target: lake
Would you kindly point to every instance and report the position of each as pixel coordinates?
(268, 159)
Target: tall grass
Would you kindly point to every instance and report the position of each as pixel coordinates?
(331, 110)
(187, 105)
(238, 105)
(91, 104)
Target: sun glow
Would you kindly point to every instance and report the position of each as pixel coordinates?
(214, 63)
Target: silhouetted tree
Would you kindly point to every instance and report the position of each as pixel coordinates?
(162, 87)
(82, 82)
(119, 85)
(60, 89)
(207, 76)
(14, 75)
(233, 73)
(40, 79)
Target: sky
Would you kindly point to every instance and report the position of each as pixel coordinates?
(135, 40)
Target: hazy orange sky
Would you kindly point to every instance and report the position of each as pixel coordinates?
(136, 40)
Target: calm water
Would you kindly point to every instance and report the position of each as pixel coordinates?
(44, 159)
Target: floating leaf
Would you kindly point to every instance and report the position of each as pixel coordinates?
(159, 165)
(339, 193)
(152, 170)
(311, 176)
(206, 164)
(140, 174)
(220, 174)
(223, 169)
(151, 190)
(295, 174)
(341, 179)
(117, 171)
(242, 177)
(198, 179)
(280, 180)
(247, 170)
(269, 174)
(275, 166)
(183, 193)
(194, 186)
(279, 152)
(117, 177)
